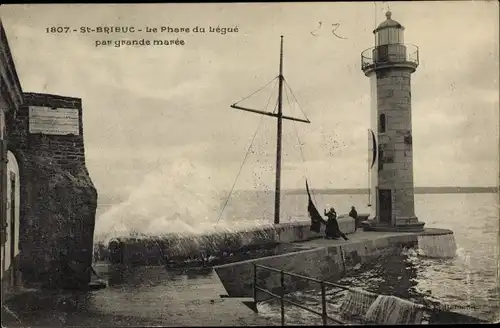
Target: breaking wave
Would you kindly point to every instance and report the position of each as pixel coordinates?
(184, 198)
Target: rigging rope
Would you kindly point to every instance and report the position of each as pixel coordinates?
(298, 138)
(248, 150)
(300, 107)
(257, 130)
(259, 91)
(300, 142)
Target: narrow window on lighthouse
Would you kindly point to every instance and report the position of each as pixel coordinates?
(382, 123)
(381, 158)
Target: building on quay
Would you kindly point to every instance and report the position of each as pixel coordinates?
(11, 99)
(48, 200)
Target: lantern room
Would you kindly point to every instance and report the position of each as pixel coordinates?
(389, 48)
(389, 32)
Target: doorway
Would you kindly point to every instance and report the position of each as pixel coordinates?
(13, 238)
(385, 206)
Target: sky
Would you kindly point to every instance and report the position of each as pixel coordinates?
(153, 111)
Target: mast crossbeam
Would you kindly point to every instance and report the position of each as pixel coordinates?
(270, 114)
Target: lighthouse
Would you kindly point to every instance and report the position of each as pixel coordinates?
(389, 65)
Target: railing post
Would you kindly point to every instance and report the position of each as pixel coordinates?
(282, 294)
(255, 284)
(323, 303)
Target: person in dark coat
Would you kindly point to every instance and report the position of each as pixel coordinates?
(332, 226)
(353, 213)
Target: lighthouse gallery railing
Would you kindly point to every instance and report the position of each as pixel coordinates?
(396, 53)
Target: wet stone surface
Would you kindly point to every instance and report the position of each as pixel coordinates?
(180, 291)
(134, 297)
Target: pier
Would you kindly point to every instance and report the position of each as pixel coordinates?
(145, 295)
(321, 259)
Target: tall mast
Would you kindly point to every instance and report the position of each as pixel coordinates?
(280, 117)
(277, 195)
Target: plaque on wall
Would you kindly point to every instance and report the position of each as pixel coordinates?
(59, 121)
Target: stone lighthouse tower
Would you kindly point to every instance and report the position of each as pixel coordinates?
(389, 66)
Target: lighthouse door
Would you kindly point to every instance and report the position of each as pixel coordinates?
(385, 206)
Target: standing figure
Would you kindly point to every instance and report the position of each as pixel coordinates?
(353, 213)
(332, 226)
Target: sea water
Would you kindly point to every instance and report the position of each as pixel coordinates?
(466, 283)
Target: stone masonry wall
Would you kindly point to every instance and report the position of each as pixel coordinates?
(394, 100)
(329, 262)
(58, 198)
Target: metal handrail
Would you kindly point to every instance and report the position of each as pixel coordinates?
(323, 284)
(284, 300)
